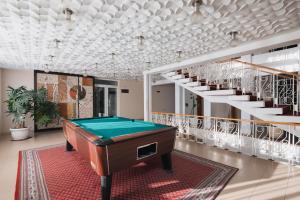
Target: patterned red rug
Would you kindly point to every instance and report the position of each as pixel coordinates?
(53, 173)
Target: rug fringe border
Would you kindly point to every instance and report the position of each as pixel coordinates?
(17, 187)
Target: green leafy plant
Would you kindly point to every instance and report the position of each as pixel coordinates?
(19, 104)
(44, 111)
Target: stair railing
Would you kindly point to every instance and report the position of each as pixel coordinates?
(263, 139)
(278, 85)
(264, 83)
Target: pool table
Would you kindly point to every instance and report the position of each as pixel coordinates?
(111, 144)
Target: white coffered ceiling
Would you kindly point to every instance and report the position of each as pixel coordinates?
(28, 29)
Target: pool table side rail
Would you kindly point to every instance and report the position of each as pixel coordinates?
(101, 142)
(91, 118)
(133, 136)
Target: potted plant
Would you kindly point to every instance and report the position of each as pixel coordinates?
(22, 102)
(19, 104)
(44, 111)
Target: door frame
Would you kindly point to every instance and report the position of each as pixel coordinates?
(106, 97)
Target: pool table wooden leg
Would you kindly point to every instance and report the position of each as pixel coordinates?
(106, 186)
(69, 147)
(167, 161)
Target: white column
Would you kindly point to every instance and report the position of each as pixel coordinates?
(206, 108)
(105, 101)
(183, 100)
(207, 113)
(298, 82)
(245, 127)
(179, 99)
(1, 100)
(147, 97)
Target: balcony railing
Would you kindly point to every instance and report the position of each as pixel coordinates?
(263, 139)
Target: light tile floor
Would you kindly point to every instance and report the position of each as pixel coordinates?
(256, 178)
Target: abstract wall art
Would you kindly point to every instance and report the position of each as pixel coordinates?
(74, 95)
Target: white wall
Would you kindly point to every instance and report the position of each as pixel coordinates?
(131, 104)
(1, 100)
(14, 78)
(220, 110)
(190, 103)
(163, 98)
(225, 110)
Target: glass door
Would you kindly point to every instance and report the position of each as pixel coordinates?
(100, 101)
(106, 100)
(112, 101)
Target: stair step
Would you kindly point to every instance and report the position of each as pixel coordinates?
(186, 75)
(176, 77)
(185, 80)
(253, 98)
(295, 114)
(254, 104)
(285, 108)
(268, 104)
(193, 84)
(240, 92)
(239, 98)
(219, 92)
(171, 74)
(273, 111)
(202, 88)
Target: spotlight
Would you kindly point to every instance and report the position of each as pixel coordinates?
(196, 16)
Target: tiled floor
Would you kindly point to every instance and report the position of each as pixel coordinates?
(256, 178)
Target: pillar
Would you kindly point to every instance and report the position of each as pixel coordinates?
(245, 126)
(207, 113)
(179, 99)
(147, 97)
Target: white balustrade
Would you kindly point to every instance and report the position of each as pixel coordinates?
(261, 139)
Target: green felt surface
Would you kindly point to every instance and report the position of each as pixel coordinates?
(110, 127)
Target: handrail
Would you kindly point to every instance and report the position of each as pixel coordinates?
(269, 68)
(263, 68)
(232, 119)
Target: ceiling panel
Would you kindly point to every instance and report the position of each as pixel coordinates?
(28, 29)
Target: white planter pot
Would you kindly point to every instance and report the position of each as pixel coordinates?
(19, 133)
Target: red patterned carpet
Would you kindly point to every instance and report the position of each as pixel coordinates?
(52, 173)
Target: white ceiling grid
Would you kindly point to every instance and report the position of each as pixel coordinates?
(28, 29)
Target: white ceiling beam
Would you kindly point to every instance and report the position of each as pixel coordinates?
(285, 38)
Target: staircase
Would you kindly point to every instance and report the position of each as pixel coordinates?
(263, 92)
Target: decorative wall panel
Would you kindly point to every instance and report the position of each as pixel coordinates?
(85, 92)
(73, 94)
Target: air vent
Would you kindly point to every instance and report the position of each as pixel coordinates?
(124, 91)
